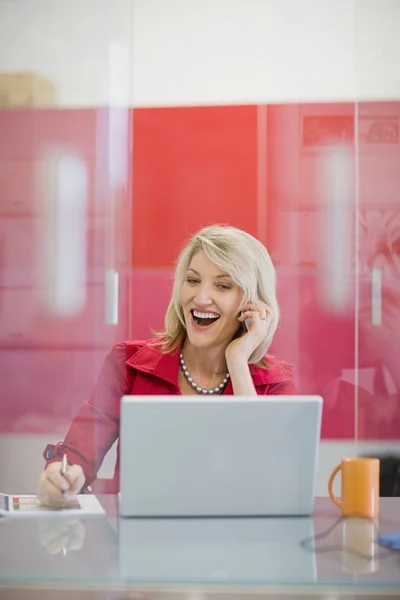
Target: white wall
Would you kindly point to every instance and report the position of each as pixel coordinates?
(178, 52)
(19, 475)
(69, 42)
(243, 51)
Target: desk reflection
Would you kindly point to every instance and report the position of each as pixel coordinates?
(216, 550)
(58, 549)
(256, 552)
(205, 551)
(360, 550)
(61, 535)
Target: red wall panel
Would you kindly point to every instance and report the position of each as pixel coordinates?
(192, 167)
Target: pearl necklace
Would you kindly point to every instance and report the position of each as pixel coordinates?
(200, 390)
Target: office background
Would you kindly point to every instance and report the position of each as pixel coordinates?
(126, 126)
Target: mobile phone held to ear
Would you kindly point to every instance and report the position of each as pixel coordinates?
(247, 324)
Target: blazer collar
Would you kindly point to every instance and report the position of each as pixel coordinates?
(150, 359)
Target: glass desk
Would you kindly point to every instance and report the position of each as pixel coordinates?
(107, 557)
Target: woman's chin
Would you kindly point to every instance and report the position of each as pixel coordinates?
(199, 340)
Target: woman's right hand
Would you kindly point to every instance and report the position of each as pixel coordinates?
(56, 490)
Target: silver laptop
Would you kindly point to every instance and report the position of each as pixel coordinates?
(190, 456)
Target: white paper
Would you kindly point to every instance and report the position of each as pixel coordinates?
(28, 506)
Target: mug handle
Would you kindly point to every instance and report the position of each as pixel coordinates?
(332, 496)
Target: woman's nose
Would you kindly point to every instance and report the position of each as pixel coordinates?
(203, 295)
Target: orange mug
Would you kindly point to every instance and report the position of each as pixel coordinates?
(360, 487)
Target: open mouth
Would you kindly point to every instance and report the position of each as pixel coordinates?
(204, 319)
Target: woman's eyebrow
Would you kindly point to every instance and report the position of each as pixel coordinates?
(216, 276)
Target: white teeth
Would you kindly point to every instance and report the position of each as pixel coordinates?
(201, 315)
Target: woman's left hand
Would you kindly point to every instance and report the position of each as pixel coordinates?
(240, 349)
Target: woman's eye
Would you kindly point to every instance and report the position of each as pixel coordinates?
(192, 281)
(224, 286)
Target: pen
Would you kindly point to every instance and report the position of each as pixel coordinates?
(64, 467)
(63, 471)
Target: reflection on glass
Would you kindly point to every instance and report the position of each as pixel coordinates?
(62, 200)
(61, 535)
(360, 551)
(216, 550)
(335, 228)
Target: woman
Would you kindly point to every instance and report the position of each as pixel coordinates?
(218, 327)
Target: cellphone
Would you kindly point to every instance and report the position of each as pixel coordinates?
(247, 323)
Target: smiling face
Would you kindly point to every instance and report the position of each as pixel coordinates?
(210, 301)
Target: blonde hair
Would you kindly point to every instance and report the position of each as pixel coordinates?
(245, 260)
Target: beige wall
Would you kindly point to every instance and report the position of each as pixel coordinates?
(178, 52)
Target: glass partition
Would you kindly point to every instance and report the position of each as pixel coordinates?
(65, 215)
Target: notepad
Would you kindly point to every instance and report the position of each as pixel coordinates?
(28, 505)
(390, 540)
